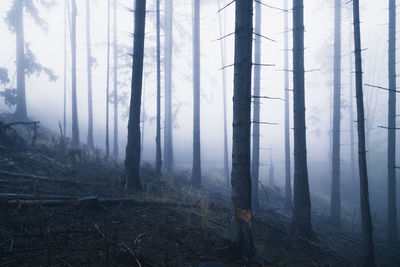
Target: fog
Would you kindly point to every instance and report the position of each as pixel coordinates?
(45, 99)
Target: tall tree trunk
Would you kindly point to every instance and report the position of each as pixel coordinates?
(335, 187)
(301, 220)
(392, 234)
(89, 77)
(168, 142)
(75, 126)
(369, 254)
(132, 160)
(288, 185)
(108, 84)
(158, 131)
(196, 168)
(351, 110)
(20, 112)
(241, 232)
(115, 47)
(255, 165)
(223, 62)
(65, 67)
(143, 114)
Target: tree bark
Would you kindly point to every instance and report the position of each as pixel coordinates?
(301, 220)
(168, 141)
(196, 168)
(351, 110)
(241, 227)
(288, 185)
(368, 250)
(223, 63)
(158, 133)
(89, 77)
(20, 112)
(132, 160)
(75, 126)
(392, 234)
(115, 47)
(335, 187)
(108, 84)
(256, 109)
(66, 12)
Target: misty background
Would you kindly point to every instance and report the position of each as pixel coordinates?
(45, 99)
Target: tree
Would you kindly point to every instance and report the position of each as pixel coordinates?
(335, 187)
(168, 141)
(75, 126)
(66, 12)
(158, 130)
(115, 52)
(288, 185)
(256, 109)
(108, 84)
(392, 234)
(301, 221)
(20, 111)
(241, 230)
(196, 168)
(223, 63)
(15, 21)
(89, 77)
(132, 160)
(368, 250)
(351, 111)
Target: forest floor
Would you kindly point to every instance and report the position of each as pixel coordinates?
(72, 210)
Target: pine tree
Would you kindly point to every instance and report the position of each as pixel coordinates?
(335, 188)
(256, 109)
(89, 77)
(196, 168)
(366, 220)
(132, 160)
(301, 220)
(241, 227)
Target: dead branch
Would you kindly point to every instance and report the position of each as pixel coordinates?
(40, 178)
(9, 196)
(93, 200)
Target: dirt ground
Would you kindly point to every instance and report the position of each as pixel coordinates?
(56, 211)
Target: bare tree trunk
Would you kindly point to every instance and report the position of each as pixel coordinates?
(241, 230)
(132, 160)
(368, 251)
(335, 187)
(65, 67)
(108, 84)
(143, 114)
(301, 221)
(115, 46)
(20, 112)
(196, 168)
(158, 134)
(89, 77)
(168, 142)
(351, 110)
(75, 125)
(288, 184)
(256, 109)
(392, 234)
(223, 62)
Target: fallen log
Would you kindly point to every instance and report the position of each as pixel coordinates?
(94, 201)
(40, 178)
(10, 196)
